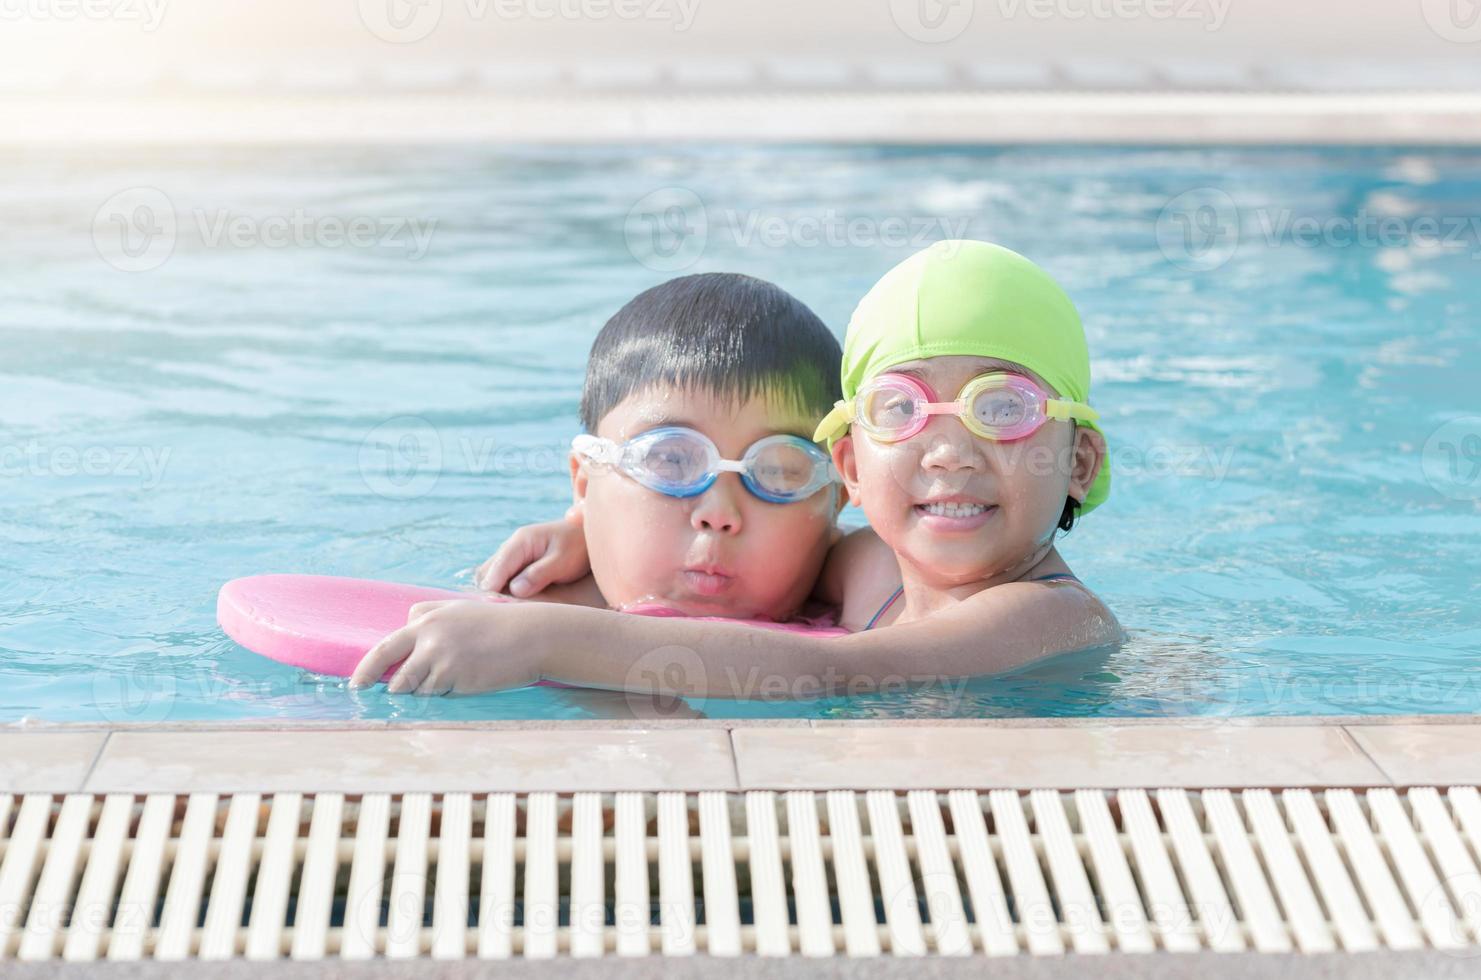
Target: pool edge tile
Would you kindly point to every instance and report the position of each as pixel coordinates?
(1422, 755)
(435, 760)
(1108, 756)
(41, 762)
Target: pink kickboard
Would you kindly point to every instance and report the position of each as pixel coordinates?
(325, 623)
(321, 623)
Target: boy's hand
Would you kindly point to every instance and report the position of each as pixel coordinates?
(453, 646)
(536, 557)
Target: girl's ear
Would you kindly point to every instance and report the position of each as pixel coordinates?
(847, 466)
(1089, 457)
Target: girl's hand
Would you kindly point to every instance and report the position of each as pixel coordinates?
(455, 646)
(535, 557)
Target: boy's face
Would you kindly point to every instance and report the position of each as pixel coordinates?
(725, 552)
(1008, 496)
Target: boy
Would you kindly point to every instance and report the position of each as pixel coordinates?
(685, 378)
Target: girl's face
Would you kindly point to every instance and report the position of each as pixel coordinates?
(959, 508)
(725, 552)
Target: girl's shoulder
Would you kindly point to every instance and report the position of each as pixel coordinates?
(1016, 623)
(1061, 604)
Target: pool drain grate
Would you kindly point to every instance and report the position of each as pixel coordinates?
(838, 873)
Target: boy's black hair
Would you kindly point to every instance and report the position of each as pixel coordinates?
(722, 333)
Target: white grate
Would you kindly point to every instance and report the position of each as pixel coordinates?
(539, 875)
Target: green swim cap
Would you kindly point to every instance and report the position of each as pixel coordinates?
(977, 299)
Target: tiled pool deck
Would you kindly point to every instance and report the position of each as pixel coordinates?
(739, 755)
(696, 755)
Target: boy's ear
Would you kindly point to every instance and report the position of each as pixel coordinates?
(848, 468)
(1089, 457)
(578, 489)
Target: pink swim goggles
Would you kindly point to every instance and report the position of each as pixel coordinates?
(998, 405)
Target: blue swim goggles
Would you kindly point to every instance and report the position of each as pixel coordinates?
(681, 462)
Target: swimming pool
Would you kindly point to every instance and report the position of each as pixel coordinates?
(366, 362)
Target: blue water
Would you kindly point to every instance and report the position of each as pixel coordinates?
(1287, 360)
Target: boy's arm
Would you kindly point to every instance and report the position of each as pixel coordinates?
(467, 647)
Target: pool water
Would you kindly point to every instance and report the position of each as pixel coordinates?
(366, 362)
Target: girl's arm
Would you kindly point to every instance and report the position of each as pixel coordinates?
(860, 575)
(537, 556)
(465, 647)
(859, 549)
(582, 592)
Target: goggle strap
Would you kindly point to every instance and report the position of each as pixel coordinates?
(835, 422)
(1058, 408)
(595, 448)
